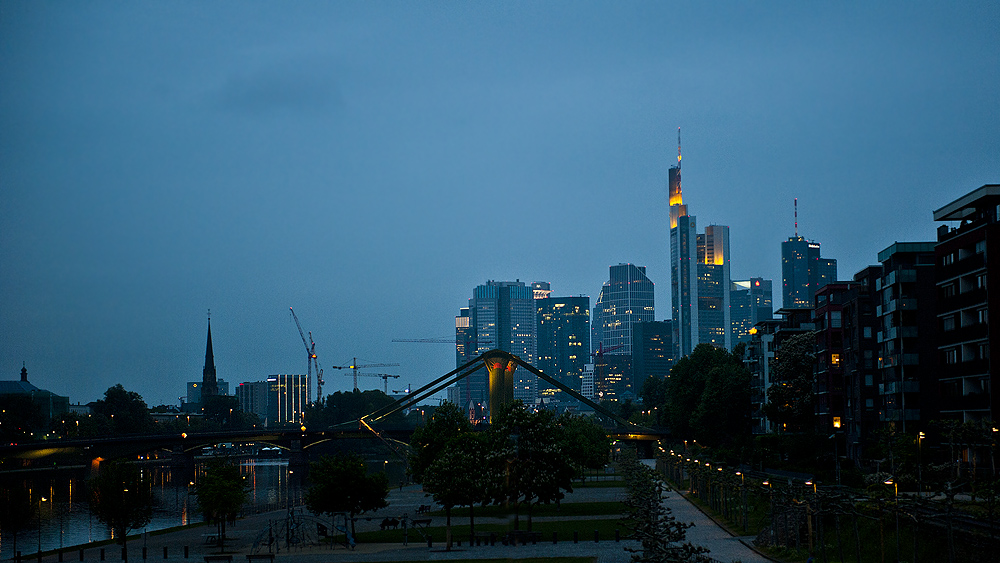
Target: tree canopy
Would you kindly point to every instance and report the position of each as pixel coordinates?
(221, 493)
(447, 422)
(706, 398)
(341, 484)
(126, 411)
(790, 398)
(121, 496)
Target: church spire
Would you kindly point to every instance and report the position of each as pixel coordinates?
(209, 384)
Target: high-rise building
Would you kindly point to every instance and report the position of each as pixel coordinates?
(652, 351)
(563, 339)
(280, 400)
(699, 275)
(803, 271)
(967, 303)
(501, 315)
(714, 324)
(625, 299)
(252, 398)
(907, 326)
(287, 398)
(750, 302)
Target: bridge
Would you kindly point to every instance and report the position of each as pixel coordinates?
(297, 442)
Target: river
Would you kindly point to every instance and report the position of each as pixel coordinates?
(64, 518)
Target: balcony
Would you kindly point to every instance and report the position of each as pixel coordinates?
(964, 266)
(977, 401)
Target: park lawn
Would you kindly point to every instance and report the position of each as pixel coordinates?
(460, 530)
(607, 483)
(564, 509)
(538, 559)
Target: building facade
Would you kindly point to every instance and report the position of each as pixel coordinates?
(563, 340)
(652, 351)
(803, 271)
(750, 301)
(625, 299)
(965, 282)
(907, 335)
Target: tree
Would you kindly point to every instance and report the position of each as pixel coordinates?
(341, 484)
(447, 422)
(790, 398)
(121, 497)
(723, 412)
(221, 493)
(538, 469)
(585, 443)
(708, 390)
(126, 411)
(461, 476)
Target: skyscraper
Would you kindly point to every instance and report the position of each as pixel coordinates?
(501, 315)
(803, 271)
(750, 302)
(652, 350)
(563, 339)
(714, 326)
(699, 275)
(626, 299)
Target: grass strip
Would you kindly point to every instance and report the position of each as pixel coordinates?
(567, 509)
(460, 530)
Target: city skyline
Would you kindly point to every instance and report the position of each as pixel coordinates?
(368, 163)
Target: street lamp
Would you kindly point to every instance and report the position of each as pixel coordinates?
(743, 494)
(895, 486)
(920, 477)
(40, 501)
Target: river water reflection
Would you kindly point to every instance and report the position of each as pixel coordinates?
(64, 518)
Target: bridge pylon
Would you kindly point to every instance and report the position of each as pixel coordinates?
(501, 366)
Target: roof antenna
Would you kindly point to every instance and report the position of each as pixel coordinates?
(796, 217)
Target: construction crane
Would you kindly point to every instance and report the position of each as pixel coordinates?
(311, 352)
(385, 378)
(355, 367)
(436, 340)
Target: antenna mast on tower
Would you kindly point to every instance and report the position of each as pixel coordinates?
(678, 148)
(796, 217)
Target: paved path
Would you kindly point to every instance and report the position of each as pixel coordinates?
(240, 539)
(706, 532)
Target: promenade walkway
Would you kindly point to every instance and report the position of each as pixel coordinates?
(240, 538)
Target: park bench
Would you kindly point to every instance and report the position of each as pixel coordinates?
(417, 523)
(218, 558)
(423, 508)
(260, 557)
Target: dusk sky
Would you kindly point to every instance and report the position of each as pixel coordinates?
(369, 163)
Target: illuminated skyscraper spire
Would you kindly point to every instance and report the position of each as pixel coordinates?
(677, 207)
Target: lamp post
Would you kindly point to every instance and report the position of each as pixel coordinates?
(895, 486)
(40, 501)
(774, 525)
(743, 494)
(809, 515)
(920, 478)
